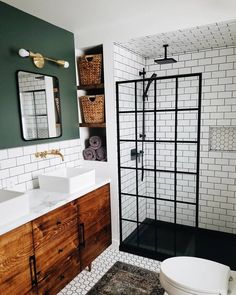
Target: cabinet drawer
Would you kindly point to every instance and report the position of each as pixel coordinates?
(94, 205)
(61, 221)
(60, 275)
(95, 244)
(48, 257)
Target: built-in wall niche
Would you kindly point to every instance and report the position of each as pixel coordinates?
(40, 107)
(223, 138)
(94, 90)
(94, 144)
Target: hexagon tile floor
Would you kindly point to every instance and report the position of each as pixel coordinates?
(85, 280)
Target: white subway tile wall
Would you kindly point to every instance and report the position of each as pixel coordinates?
(126, 67)
(217, 202)
(19, 168)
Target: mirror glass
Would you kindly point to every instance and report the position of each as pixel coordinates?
(40, 106)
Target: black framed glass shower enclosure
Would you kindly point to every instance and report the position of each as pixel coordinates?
(158, 127)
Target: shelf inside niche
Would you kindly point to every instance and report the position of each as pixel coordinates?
(92, 129)
(93, 125)
(89, 87)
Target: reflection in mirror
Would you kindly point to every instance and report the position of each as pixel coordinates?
(40, 106)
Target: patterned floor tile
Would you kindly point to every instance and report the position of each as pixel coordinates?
(86, 280)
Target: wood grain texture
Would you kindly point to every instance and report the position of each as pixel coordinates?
(95, 216)
(93, 125)
(16, 247)
(60, 275)
(55, 239)
(93, 206)
(50, 226)
(55, 253)
(95, 245)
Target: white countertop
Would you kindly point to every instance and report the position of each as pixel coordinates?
(42, 202)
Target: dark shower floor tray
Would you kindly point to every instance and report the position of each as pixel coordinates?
(160, 240)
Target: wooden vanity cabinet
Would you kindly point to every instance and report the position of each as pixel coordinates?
(44, 255)
(16, 262)
(56, 247)
(94, 224)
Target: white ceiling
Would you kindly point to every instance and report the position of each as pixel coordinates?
(97, 21)
(198, 38)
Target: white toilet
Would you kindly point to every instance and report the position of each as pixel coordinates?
(196, 276)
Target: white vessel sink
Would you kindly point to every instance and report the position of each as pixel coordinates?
(13, 205)
(67, 180)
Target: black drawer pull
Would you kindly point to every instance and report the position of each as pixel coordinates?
(81, 235)
(58, 222)
(62, 277)
(60, 250)
(33, 271)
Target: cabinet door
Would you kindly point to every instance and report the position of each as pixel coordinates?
(16, 248)
(60, 275)
(94, 224)
(56, 243)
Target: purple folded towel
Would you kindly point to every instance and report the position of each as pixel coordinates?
(95, 142)
(89, 154)
(101, 154)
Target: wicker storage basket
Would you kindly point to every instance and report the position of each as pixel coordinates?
(90, 69)
(92, 108)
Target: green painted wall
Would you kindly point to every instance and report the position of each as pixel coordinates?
(21, 30)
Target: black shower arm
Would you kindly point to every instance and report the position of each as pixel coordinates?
(165, 47)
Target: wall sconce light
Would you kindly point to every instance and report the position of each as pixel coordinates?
(39, 59)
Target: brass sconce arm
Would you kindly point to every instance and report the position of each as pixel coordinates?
(51, 152)
(39, 59)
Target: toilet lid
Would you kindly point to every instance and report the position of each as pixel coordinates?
(196, 274)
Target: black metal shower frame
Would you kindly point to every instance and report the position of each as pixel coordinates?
(175, 141)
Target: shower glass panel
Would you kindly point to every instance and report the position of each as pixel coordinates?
(158, 123)
(128, 181)
(129, 210)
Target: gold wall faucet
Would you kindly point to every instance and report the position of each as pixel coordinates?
(51, 152)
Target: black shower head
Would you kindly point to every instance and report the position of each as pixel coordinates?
(165, 60)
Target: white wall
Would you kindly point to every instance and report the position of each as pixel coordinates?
(96, 22)
(123, 20)
(218, 68)
(105, 21)
(134, 19)
(217, 168)
(107, 169)
(127, 66)
(19, 168)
